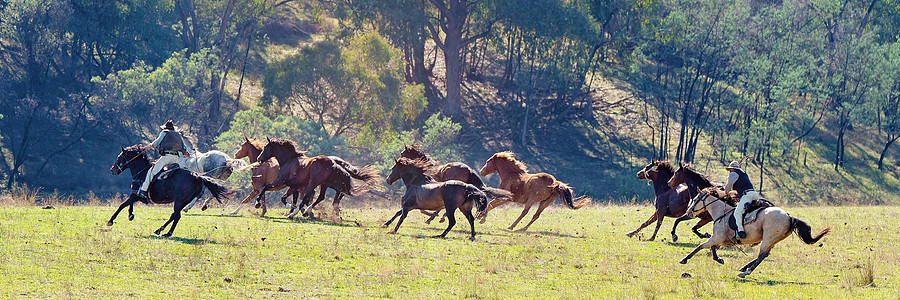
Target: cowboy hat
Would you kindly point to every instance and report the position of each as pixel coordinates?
(169, 125)
(734, 165)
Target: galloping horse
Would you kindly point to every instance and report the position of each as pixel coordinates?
(772, 225)
(302, 173)
(695, 182)
(670, 202)
(180, 187)
(215, 164)
(424, 193)
(264, 173)
(451, 171)
(527, 189)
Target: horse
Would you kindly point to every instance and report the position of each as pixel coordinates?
(771, 226)
(695, 182)
(264, 173)
(527, 189)
(451, 171)
(424, 193)
(670, 202)
(180, 187)
(215, 164)
(303, 174)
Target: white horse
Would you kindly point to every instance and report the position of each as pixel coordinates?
(215, 164)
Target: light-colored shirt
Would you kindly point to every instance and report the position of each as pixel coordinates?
(729, 182)
(162, 135)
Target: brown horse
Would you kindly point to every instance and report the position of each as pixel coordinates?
(527, 189)
(303, 174)
(695, 182)
(670, 202)
(771, 226)
(451, 171)
(424, 193)
(263, 174)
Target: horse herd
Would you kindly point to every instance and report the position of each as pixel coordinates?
(277, 164)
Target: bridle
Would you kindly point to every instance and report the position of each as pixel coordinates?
(646, 172)
(121, 169)
(705, 196)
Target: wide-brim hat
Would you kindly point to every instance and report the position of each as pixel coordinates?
(734, 165)
(169, 125)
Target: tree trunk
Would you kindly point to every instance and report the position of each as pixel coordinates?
(887, 145)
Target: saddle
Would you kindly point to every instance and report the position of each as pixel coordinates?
(753, 208)
(166, 172)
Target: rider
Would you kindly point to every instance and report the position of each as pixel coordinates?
(740, 182)
(170, 144)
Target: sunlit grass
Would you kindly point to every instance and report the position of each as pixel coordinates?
(68, 252)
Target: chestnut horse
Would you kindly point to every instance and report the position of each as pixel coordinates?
(771, 226)
(670, 202)
(451, 171)
(303, 174)
(527, 189)
(424, 193)
(263, 173)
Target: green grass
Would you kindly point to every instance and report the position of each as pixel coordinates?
(68, 252)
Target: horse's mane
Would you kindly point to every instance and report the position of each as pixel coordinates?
(720, 193)
(689, 169)
(289, 144)
(139, 148)
(511, 157)
(666, 165)
(416, 150)
(421, 165)
(257, 143)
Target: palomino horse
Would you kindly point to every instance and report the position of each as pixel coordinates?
(264, 172)
(424, 193)
(695, 182)
(303, 174)
(180, 187)
(670, 202)
(451, 171)
(527, 189)
(772, 225)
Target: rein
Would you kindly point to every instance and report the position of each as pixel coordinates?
(132, 159)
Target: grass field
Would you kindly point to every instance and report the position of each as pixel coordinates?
(68, 252)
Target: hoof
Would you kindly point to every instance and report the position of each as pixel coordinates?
(705, 236)
(630, 234)
(130, 218)
(674, 238)
(683, 261)
(168, 234)
(439, 236)
(523, 229)
(157, 231)
(510, 228)
(109, 223)
(385, 225)
(720, 261)
(742, 275)
(392, 232)
(233, 213)
(652, 238)
(441, 220)
(204, 208)
(185, 210)
(482, 221)
(471, 238)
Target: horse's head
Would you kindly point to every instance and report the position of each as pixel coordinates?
(407, 168)
(248, 148)
(503, 162)
(490, 166)
(126, 157)
(414, 151)
(678, 177)
(648, 172)
(697, 205)
(281, 149)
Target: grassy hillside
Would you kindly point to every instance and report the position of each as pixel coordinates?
(68, 252)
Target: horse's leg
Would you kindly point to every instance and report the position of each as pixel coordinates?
(471, 218)
(451, 220)
(131, 212)
(715, 255)
(538, 213)
(167, 223)
(403, 212)
(431, 214)
(659, 220)
(175, 217)
(696, 228)
(129, 201)
(307, 196)
(764, 248)
(388, 223)
(336, 205)
(675, 226)
(491, 205)
(645, 224)
(319, 199)
(702, 246)
(252, 194)
(522, 215)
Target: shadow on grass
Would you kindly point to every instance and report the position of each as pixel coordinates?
(771, 282)
(343, 223)
(188, 241)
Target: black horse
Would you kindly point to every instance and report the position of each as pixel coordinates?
(180, 187)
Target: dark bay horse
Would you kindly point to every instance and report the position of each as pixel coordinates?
(771, 226)
(181, 187)
(527, 189)
(263, 173)
(424, 193)
(670, 202)
(452, 171)
(303, 174)
(695, 182)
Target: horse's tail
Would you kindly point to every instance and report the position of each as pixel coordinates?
(568, 196)
(246, 167)
(219, 188)
(479, 198)
(367, 173)
(494, 193)
(805, 232)
(238, 165)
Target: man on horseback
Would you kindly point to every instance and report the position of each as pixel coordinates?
(739, 181)
(170, 143)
